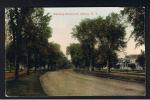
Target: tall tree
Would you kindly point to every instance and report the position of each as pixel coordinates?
(84, 33)
(75, 51)
(16, 20)
(54, 54)
(112, 37)
(30, 31)
(36, 37)
(107, 34)
(56, 58)
(135, 16)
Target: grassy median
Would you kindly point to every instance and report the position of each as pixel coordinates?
(27, 85)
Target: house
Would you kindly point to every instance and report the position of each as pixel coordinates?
(123, 62)
(132, 59)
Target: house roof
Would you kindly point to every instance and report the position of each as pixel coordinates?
(132, 56)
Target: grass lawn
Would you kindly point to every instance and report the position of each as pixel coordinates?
(27, 85)
(133, 76)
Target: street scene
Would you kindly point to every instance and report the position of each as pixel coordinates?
(78, 51)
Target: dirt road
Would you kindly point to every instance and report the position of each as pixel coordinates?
(69, 83)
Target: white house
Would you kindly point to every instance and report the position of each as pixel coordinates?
(123, 62)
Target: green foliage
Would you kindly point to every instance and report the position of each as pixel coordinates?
(75, 51)
(16, 21)
(100, 39)
(132, 66)
(56, 57)
(141, 60)
(33, 33)
(111, 32)
(84, 33)
(29, 46)
(135, 16)
(10, 53)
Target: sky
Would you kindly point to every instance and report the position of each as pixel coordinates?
(65, 18)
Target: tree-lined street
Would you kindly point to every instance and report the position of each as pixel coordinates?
(35, 60)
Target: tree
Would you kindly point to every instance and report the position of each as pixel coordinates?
(36, 37)
(84, 33)
(63, 63)
(53, 54)
(109, 33)
(10, 55)
(135, 16)
(16, 20)
(75, 51)
(104, 55)
(30, 31)
(141, 60)
(56, 58)
(100, 59)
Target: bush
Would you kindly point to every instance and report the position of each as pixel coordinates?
(132, 66)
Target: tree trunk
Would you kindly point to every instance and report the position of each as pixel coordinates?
(43, 67)
(16, 38)
(92, 68)
(18, 42)
(16, 67)
(48, 67)
(35, 68)
(28, 71)
(108, 67)
(9, 68)
(17, 72)
(76, 67)
(92, 62)
(28, 55)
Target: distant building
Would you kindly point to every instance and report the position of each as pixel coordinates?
(123, 62)
(132, 58)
